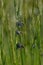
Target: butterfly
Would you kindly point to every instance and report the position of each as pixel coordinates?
(20, 24)
(19, 45)
(18, 32)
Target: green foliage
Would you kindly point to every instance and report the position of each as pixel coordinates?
(30, 13)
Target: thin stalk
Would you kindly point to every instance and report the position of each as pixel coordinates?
(32, 52)
(3, 58)
(37, 30)
(11, 43)
(3, 19)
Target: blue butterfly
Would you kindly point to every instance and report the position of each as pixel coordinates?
(18, 32)
(19, 45)
(20, 24)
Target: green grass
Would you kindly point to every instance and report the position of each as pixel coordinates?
(12, 11)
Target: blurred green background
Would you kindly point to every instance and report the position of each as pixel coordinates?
(30, 13)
